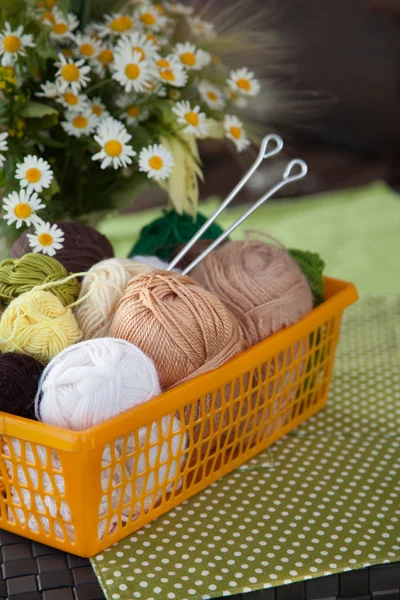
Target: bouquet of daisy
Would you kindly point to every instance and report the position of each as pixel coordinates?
(93, 108)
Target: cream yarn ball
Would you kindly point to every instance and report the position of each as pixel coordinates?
(94, 381)
(155, 262)
(95, 313)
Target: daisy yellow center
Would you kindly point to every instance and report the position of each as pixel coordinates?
(188, 59)
(87, 49)
(133, 111)
(244, 84)
(71, 98)
(113, 148)
(97, 110)
(141, 52)
(70, 73)
(12, 43)
(46, 4)
(163, 63)
(106, 57)
(212, 96)
(80, 122)
(151, 38)
(60, 28)
(160, 9)
(132, 71)
(192, 118)
(48, 16)
(45, 239)
(23, 211)
(167, 75)
(236, 132)
(67, 52)
(148, 19)
(156, 163)
(121, 24)
(33, 175)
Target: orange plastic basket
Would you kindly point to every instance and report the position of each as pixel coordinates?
(83, 491)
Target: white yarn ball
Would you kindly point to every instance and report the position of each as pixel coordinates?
(154, 262)
(96, 312)
(93, 381)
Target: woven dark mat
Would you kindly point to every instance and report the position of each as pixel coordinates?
(32, 571)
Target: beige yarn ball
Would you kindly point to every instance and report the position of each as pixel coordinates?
(95, 314)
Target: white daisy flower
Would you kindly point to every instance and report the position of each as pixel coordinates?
(137, 42)
(243, 81)
(200, 28)
(49, 90)
(79, 123)
(87, 46)
(151, 18)
(49, 16)
(132, 72)
(115, 24)
(13, 44)
(71, 76)
(212, 95)
(63, 27)
(178, 8)
(73, 102)
(191, 57)
(3, 147)
(34, 174)
(156, 161)
(132, 111)
(235, 132)
(155, 88)
(3, 141)
(98, 108)
(236, 99)
(47, 238)
(20, 208)
(103, 60)
(113, 138)
(175, 75)
(194, 121)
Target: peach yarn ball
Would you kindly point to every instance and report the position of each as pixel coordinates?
(185, 329)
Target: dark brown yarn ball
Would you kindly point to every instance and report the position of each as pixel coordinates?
(83, 247)
(19, 382)
(193, 253)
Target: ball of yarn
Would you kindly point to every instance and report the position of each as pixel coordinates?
(313, 267)
(19, 380)
(18, 276)
(259, 283)
(83, 247)
(94, 381)
(155, 262)
(163, 236)
(95, 313)
(38, 324)
(182, 327)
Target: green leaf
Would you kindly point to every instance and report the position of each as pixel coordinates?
(37, 110)
(11, 10)
(46, 141)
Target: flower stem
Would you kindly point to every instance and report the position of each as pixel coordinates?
(98, 85)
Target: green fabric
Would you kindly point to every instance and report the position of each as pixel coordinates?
(322, 500)
(163, 236)
(313, 267)
(355, 231)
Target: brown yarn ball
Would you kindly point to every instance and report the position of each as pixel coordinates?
(83, 247)
(19, 381)
(259, 283)
(182, 327)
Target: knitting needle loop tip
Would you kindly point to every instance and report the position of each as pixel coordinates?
(290, 173)
(277, 145)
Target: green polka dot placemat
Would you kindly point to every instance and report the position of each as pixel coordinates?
(324, 499)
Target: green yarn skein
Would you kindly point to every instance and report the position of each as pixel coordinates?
(20, 275)
(313, 267)
(163, 236)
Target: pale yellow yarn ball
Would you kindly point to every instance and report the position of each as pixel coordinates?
(38, 324)
(95, 314)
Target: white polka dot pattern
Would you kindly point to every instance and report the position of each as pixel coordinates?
(322, 500)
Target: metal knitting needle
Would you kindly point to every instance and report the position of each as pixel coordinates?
(287, 178)
(262, 155)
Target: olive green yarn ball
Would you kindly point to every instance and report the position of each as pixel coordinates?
(18, 276)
